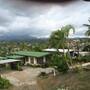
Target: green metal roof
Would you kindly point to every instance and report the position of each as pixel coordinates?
(31, 53)
(14, 57)
(3, 58)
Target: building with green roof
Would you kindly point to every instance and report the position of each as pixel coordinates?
(3, 58)
(14, 57)
(31, 53)
(32, 57)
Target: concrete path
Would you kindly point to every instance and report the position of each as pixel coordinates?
(78, 65)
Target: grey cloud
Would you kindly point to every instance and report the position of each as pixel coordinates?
(5, 16)
(20, 7)
(39, 20)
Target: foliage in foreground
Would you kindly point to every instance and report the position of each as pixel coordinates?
(4, 83)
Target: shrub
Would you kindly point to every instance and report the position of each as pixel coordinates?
(45, 65)
(43, 74)
(77, 59)
(4, 83)
(62, 66)
(60, 63)
(18, 67)
(87, 48)
(85, 58)
(78, 69)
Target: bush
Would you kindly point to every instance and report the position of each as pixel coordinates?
(85, 58)
(45, 65)
(4, 83)
(80, 59)
(77, 59)
(62, 66)
(18, 67)
(43, 74)
(87, 48)
(78, 69)
(60, 63)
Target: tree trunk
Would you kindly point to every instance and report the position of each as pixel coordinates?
(70, 55)
(64, 54)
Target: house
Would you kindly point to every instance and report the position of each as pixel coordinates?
(17, 57)
(8, 63)
(32, 57)
(2, 58)
(55, 50)
(14, 57)
(83, 53)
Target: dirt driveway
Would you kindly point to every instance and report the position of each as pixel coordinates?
(26, 77)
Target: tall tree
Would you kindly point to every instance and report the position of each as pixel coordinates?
(58, 38)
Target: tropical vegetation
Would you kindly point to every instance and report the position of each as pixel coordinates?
(4, 83)
(58, 39)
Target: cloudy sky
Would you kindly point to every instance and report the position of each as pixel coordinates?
(38, 19)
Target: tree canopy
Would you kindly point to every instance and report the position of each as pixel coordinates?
(58, 38)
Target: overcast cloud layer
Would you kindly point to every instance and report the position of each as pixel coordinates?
(20, 18)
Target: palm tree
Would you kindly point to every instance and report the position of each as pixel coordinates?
(58, 38)
(88, 31)
(66, 30)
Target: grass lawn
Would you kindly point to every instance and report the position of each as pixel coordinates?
(69, 81)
